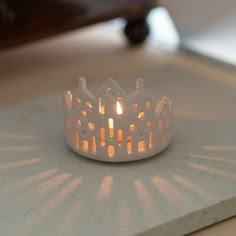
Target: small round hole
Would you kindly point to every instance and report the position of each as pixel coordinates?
(149, 124)
(91, 125)
(78, 123)
(78, 101)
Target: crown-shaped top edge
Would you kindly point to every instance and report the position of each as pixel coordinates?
(110, 83)
(82, 86)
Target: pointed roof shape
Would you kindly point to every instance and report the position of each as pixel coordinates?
(140, 91)
(111, 89)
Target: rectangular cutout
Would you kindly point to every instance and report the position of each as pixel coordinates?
(76, 138)
(119, 137)
(93, 144)
(141, 146)
(119, 106)
(85, 145)
(101, 106)
(111, 151)
(111, 127)
(129, 144)
(151, 139)
(102, 136)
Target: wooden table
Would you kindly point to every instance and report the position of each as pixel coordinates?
(30, 20)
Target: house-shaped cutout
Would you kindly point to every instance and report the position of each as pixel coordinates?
(110, 89)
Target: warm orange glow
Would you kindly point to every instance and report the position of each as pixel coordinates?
(85, 145)
(68, 121)
(213, 171)
(151, 134)
(111, 127)
(106, 187)
(141, 146)
(93, 144)
(134, 107)
(170, 192)
(29, 180)
(18, 136)
(217, 159)
(102, 136)
(148, 105)
(78, 123)
(149, 124)
(119, 137)
(160, 124)
(91, 125)
(18, 148)
(83, 114)
(101, 106)
(194, 188)
(78, 101)
(56, 200)
(76, 138)
(129, 144)
(49, 185)
(220, 148)
(148, 204)
(119, 109)
(89, 106)
(141, 115)
(132, 127)
(14, 164)
(111, 151)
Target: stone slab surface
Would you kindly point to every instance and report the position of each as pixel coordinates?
(46, 189)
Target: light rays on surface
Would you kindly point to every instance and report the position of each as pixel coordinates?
(25, 182)
(146, 201)
(220, 147)
(105, 189)
(18, 148)
(194, 188)
(49, 185)
(217, 159)
(18, 136)
(170, 192)
(9, 165)
(41, 213)
(212, 170)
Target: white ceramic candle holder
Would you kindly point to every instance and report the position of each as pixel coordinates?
(111, 126)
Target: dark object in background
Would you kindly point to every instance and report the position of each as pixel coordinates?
(30, 20)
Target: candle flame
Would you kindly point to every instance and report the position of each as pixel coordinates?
(119, 109)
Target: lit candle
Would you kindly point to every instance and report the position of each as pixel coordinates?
(119, 108)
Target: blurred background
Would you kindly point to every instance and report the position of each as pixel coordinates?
(203, 27)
